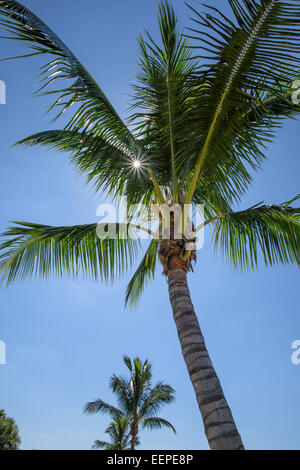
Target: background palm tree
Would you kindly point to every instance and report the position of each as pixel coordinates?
(138, 401)
(9, 433)
(201, 116)
(119, 433)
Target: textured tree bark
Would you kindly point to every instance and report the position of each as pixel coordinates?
(134, 432)
(132, 445)
(220, 428)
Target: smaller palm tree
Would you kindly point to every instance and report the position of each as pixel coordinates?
(9, 433)
(119, 433)
(138, 404)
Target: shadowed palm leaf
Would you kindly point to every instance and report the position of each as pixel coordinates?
(274, 229)
(118, 432)
(157, 423)
(95, 113)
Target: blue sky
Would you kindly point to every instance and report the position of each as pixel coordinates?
(66, 337)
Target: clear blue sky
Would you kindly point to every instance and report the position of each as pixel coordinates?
(66, 337)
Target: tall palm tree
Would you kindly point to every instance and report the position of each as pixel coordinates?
(118, 431)
(138, 401)
(203, 109)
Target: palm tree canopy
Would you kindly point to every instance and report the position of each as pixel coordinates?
(9, 433)
(138, 401)
(118, 431)
(204, 106)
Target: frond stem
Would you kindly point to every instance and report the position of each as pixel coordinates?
(158, 191)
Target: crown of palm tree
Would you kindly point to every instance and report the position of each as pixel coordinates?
(201, 115)
(138, 401)
(119, 434)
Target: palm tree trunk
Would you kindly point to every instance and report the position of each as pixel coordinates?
(134, 431)
(220, 428)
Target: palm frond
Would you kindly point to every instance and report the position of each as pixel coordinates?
(141, 380)
(94, 114)
(273, 230)
(102, 445)
(99, 406)
(107, 167)
(241, 56)
(32, 249)
(161, 98)
(157, 423)
(119, 432)
(127, 362)
(144, 274)
(123, 391)
(152, 400)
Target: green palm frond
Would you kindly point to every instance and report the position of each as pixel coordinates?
(141, 380)
(157, 423)
(92, 155)
(108, 168)
(269, 108)
(241, 56)
(273, 230)
(118, 425)
(121, 387)
(162, 97)
(127, 362)
(32, 249)
(144, 274)
(118, 431)
(94, 113)
(100, 406)
(160, 394)
(102, 445)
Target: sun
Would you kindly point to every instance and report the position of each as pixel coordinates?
(136, 164)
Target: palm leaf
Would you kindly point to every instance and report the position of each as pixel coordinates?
(109, 168)
(33, 249)
(161, 98)
(127, 362)
(101, 445)
(274, 230)
(152, 400)
(121, 387)
(264, 37)
(144, 273)
(157, 423)
(94, 114)
(99, 406)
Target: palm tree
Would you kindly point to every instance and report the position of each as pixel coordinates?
(138, 401)
(203, 109)
(9, 433)
(118, 432)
